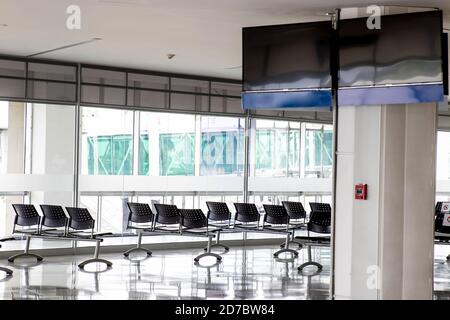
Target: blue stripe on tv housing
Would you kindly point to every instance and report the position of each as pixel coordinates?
(287, 99)
(391, 95)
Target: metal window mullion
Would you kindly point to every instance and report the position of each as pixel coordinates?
(197, 145)
(246, 155)
(77, 141)
(136, 141)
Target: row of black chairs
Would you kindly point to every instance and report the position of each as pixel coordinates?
(77, 225)
(286, 218)
(76, 222)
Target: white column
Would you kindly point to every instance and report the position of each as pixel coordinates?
(391, 148)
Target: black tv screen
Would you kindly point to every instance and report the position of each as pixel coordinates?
(405, 50)
(292, 56)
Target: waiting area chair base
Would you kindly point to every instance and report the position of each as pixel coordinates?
(7, 271)
(292, 251)
(310, 263)
(139, 249)
(25, 255)
(95, 260)
(208, 254)
(219, 245)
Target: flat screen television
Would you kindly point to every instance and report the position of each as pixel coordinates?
(290, 56)
(406, 53)
(287, 66)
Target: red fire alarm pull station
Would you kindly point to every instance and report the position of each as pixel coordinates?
(361, 191)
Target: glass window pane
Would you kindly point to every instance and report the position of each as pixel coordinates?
(222, 146)
(188, 102)
(226, 89)
(103, 95)
(100, 76)
(12, 68)
(167, 144)
(107, 141)
(189, 85)
(146, 98)
(12, 88)
(52, 91)
(148, 81)
(52, 72)
(276, 149)
(318, 150)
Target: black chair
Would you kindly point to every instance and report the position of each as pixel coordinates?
(26, 216)
(81, 220)
(194, 221)
(295, 212)
(53, 217)
(319, 222)
(168, 218)
(248, 216)
(219, 213)
(139, 217)
(278, 220)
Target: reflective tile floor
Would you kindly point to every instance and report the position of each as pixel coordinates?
(245, 273)
(249, 273)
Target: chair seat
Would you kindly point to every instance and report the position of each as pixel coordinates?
(169, 228)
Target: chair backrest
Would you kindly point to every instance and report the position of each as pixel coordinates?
(26, 215)
(193, 218)
(442, 218)
(319, 207)
(320, 218)
(218, 211)
(275, 214)
(140, 212)
(167, 214)
(54, 216)
(246, 212)
(295, 210)
(80, 218)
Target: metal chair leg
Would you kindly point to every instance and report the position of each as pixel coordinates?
(96, 258)
(310, 263)
(208, 252)
(300, 245)
(26, 253)
(138, 248)
(294, 252)
(218, 244)
(7, 271)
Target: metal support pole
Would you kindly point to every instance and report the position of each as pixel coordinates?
(208, 248)
(97, 250)
(139, 240)
(27, 244)
(335, 24)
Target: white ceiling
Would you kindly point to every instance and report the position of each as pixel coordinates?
(205, 35)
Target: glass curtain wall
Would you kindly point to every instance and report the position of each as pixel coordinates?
(282, 155)
(36, 157)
